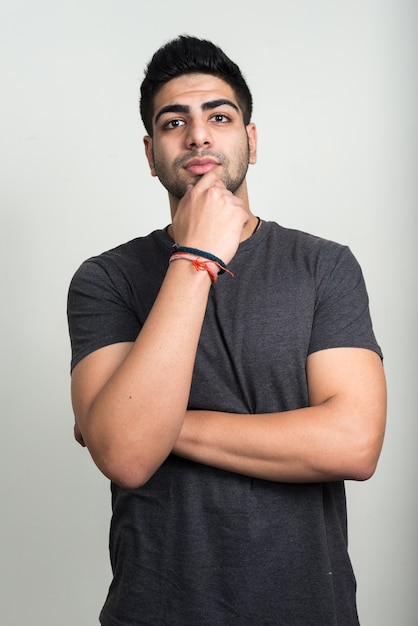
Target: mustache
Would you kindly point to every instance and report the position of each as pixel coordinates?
(200, 154)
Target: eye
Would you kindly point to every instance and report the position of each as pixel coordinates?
(173, 124)
(220, 118)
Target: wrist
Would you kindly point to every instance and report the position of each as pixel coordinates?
(201, 260)
(186, 271)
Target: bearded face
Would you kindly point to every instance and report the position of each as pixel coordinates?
(175, 176)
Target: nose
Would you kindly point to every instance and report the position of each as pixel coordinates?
(198, 134)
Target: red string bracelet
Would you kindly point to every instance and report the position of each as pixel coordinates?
(200, 264)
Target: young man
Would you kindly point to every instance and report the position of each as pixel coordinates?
(228, 385)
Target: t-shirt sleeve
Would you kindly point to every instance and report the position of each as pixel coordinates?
(342, 316)
(99, 309)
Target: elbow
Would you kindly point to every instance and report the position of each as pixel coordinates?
(363, 470)
(130, 481)
(128, 473)
(123, 461)
(364, 460)
(126, 477)
(365, 445)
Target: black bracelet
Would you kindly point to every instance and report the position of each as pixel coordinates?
(202, 253)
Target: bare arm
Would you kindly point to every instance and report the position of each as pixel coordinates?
(130, 399)
(338, 437)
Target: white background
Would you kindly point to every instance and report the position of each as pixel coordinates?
(335, 90)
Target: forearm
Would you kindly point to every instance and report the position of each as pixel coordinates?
(130, 399)
(314, 444)
(338, 437)
(136, 416)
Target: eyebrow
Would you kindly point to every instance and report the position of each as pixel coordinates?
(184, 108)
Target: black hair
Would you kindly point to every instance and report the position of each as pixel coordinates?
(189, 55)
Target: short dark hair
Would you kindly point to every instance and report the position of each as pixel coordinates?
(189, 55)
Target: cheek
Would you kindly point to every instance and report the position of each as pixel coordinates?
(160, 154)
(241, 152)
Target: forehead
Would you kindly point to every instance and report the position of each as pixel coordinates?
(193, 90)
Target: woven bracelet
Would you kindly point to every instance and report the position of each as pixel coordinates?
(198, 264)
(202, 253)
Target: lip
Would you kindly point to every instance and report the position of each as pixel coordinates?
(201, 166)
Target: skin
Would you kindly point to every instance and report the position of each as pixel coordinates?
(186, 147)
(201, 153)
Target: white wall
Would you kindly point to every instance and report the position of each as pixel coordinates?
(336, 106)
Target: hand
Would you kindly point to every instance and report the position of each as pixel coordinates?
(210, 218)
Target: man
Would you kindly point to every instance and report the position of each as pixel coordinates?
(227, 410)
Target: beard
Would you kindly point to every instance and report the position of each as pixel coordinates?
(232, 178)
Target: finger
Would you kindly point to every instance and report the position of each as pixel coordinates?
(211, 179)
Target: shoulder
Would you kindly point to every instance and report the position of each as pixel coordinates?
(111, 294)
(120, 261)
(301, 239)
(313, 252)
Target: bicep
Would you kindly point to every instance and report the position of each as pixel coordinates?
(354, 373)
(352, 380)
(92, 373)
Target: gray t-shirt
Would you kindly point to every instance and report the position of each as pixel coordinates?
(199, 546)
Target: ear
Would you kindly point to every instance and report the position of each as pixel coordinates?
(252, 142)
(149, 154)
